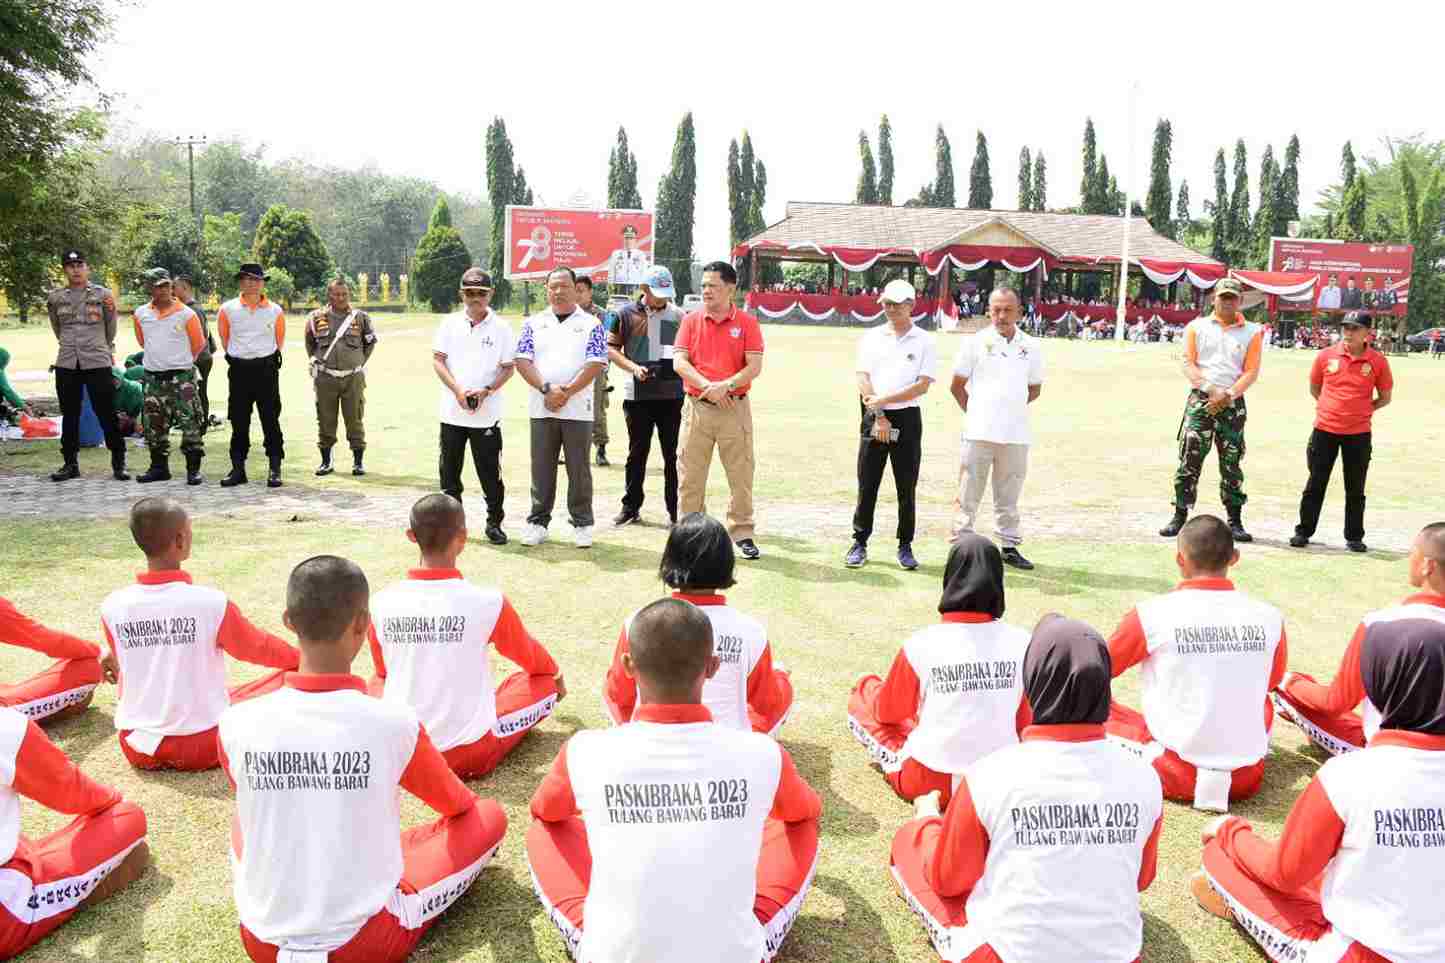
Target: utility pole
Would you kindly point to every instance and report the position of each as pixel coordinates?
(190, 144)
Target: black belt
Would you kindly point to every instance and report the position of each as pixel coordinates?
(714, 403)
(168, 375)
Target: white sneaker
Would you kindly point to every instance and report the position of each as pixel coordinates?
(534, 535)
(583, 536)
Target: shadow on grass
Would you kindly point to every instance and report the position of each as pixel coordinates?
(208, 784)
(1286, 770)
(119, 922)
(1060, 580)
(859, 936)
(423, 484)
(515, 781)
(1162, 941)
(81, 735)
(840, 817)
(804, 571)
(495, 911)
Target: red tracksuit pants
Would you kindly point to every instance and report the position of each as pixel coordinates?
(1334, 734)
(49, 877)
(1177, 776)
(943, 916)
(441, 860)
(561, 865)
(199, 750)
(908, 777)
(1287, 926)
(69, 682)
(768, 725)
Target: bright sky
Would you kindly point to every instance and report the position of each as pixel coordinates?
(412, 87)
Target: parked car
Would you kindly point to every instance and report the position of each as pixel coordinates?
(1420, 340)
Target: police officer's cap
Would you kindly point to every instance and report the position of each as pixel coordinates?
(72, 256)
(1357, 319)
(250, 270)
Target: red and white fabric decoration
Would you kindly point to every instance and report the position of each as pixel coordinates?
(1279, 283)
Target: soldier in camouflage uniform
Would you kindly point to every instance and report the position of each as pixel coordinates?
(172, 337)
(339, 341)
(1221, 359)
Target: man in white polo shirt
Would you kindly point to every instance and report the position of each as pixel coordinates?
(558, 353)
(998, 374)
(895, 368)
(472, 355)
(1221, 360)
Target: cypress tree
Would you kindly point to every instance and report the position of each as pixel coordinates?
(1041, 183)
(1289, 184)
(1264, 217)
(441, 257)
(1104, 184)
(1088, 187)
(736, 205)
(867, 192)
(745, 174)
(622, 175)
(1181, 211)
(676, 197)
(1422, 217)
(942, 193)
(1157, 204)
(1347, 166)
(500, 174)
(1219, 248)
(1026, 180)
(1350, 222)
(521, 193)
(885, 162)
(1239, 239)
(980, 181)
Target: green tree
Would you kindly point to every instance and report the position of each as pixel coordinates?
(867, 192)
(521, 193)
(747, 173)
(1350, 219)
(1219, 247)
(676, 200)
(1089, 201)
(1264, 217)
(223, 252)
(885, 162)
(1239, 239)
(177, 246)
(980, 181)
(231, 178)
(1181, 211)
(501, 173)
(281, 286)
(622, 175)
(1347, 166)
(941, 193)
(1422, 228)
(737, 204)
(1026, 180)
(441, 257)
(287, 239)
(1161, 191)
(1105, 187)
(1288, 207)
(1041, 183)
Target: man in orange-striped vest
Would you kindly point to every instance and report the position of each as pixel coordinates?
(253, 331)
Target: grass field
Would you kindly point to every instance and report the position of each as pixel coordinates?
(1099, 486)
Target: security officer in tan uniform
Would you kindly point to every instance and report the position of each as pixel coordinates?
(82, 315)
(339, 341)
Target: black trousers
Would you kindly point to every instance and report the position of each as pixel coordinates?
(486, 446)
(100, 384)
(254, 382)
(203, 366)
(1320, 456)
(907, 455)
(642, 417)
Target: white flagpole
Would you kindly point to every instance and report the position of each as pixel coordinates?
(1128, 219)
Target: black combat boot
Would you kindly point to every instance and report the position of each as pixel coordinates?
(237, 475)
(160, 470)
(117, 466)
(1181, 515)
(193, 468)
(325, 467)
(1236, 527)
(273, 477)
(357, 457)
(66, 472)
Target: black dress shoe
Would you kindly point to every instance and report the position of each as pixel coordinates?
(749, 550)
(1357, 546)
(626, 517)
(1298, 541)
(495, 535)
(602, 461)
(67, 471)
(1012, 556)
(237, 475)
(273, 477)
(120, 474)
(1175, 524)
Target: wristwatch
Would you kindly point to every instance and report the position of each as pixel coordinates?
(546, 387)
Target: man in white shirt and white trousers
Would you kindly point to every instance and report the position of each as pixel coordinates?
(998, 374)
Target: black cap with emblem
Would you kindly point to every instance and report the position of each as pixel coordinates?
(72, 256)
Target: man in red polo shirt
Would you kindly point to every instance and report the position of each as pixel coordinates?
(718, 354)
(1350, 382)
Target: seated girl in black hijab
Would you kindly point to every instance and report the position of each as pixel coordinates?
(953, 694)
(1047, 843)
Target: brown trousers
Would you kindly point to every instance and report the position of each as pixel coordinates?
(349, 394)
(730, 431)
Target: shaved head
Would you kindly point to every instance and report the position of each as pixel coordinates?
(155, 523)
(1206, 541)
(325, 595)
(436, 520)
(1432, 541)
(671, 645)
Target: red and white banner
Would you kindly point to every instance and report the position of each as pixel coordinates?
(600, 244)
(1352, 276)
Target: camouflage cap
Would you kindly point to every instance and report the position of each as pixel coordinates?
(157, 276)
(1229, 286)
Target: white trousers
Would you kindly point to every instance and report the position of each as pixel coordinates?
(1009, 465)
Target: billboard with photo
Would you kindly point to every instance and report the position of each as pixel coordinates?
(1353, 276)
(608, 245)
